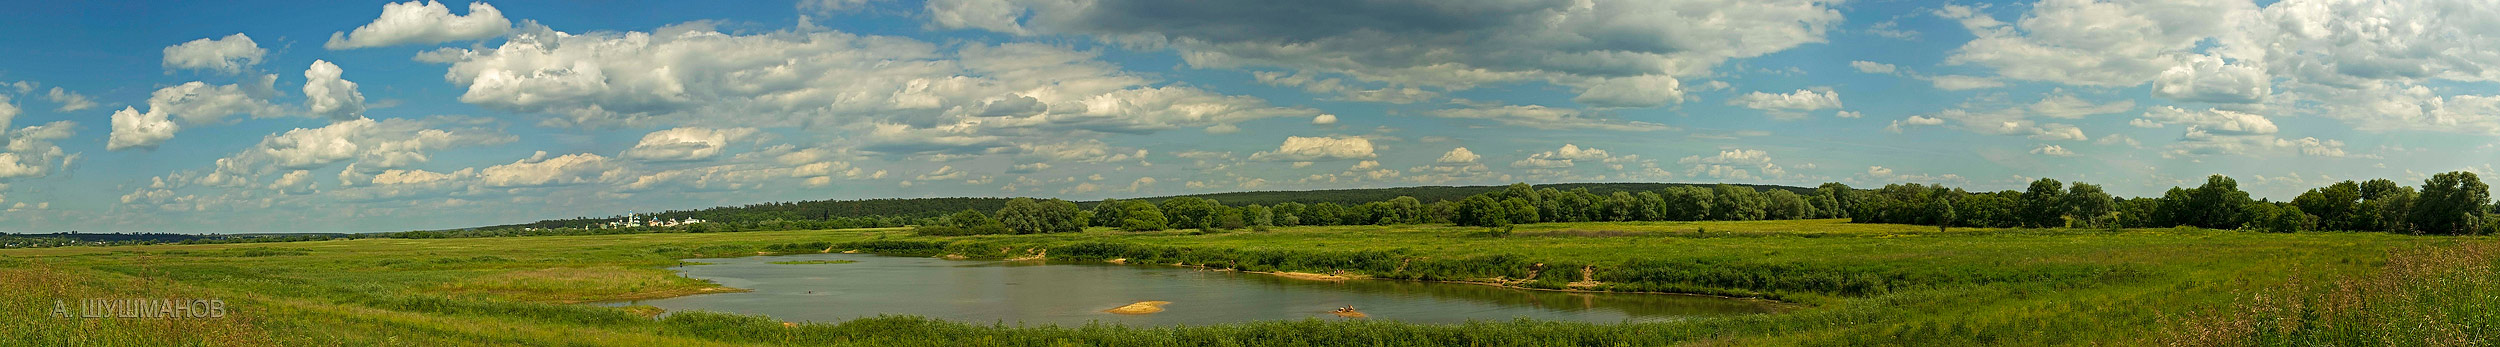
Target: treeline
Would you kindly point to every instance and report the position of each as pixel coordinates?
(2453, 203)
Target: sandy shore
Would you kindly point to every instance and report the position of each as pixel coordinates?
(1141, 307)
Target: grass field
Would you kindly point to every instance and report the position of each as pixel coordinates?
(1856, 284)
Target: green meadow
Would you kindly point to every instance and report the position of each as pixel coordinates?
(1848, 284)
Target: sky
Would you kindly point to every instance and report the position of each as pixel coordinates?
(271, 116)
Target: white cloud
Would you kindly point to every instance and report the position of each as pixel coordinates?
(368, 145)
(425, 22)
(1567, 156)
(30, 151)
(1789, 106)
(1874, 67)
(70, 101)
(1848, 114)
(193, 103)
(1541, 117)
(685, 144)
(1914, 121)
(231, 55)
(2206, 78)
(1636, 91)
(2052, 150)
(132, 129)
(2211, 120)
(8, 112)
(1431, 44)
(2093, 43)
(1297, 148)
(689, 74)
(1960, 82)
(2060, 104)
(943, 173)
(328, 95)
(1458, 155)
(562, 170)
(1324, 119)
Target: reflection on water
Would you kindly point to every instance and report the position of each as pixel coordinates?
(1032, 293)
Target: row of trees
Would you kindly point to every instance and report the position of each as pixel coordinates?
(2453, 203)
(2447, 203)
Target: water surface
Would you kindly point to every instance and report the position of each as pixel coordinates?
(1034, 293)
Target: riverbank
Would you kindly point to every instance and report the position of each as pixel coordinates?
(1867, 284)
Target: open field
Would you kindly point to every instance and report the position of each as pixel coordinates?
(1854, 283)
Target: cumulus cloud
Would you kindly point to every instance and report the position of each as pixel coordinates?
(193, 103)
(1297, 148)
(8, 112)
(1458, 155)
(368, 146)
(1802, 99)
(1789, 105)
(2093, 43)
(1567, 156)
(2060, 104)
(31, 152)
(974, 97)
(425, 22)
(1636, 91)
(2211, 120)
(231, 55)
(562, 170)
(2206, 78)
(1960, 82)
(1914, 121)
(1541, 117)
(70, 101)
(1433, 44)
(1324, 119)
(2052, 150)
(132, 129)
(685, 144)
(1339, 89)
(328, 95)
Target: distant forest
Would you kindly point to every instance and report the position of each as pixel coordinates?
(898, 212)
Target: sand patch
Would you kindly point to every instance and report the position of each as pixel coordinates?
(1350, 314)
(1308, 276)
(1141, 307)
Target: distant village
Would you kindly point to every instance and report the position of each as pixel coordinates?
(637, 220)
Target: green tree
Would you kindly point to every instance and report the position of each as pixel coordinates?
(1482, 211)
(1189, 213)
(2090, 206)
(1141, 216)
(2338, 206)
(1783, 205)
(1686, 203)
(1836, 200)
(1651, 207)
(1737, 203)
(1107, 213)
(1259, 216)
(1288, 214)
(1023, 216)
(1062, 216)
(2043, 205)
(1521, 211)
(2451, 203)
(1324, 213)
(1404, 210)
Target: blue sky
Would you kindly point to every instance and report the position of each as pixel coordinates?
(289, 117)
